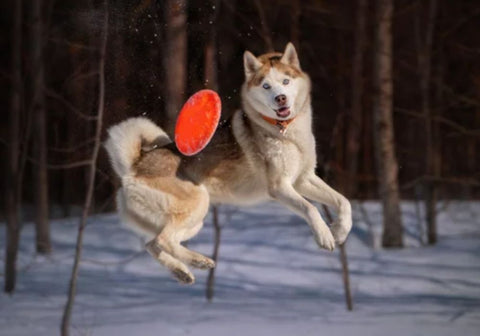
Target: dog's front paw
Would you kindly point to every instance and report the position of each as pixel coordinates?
(203, 263)
(324, 239)
(340, 229)
(183, 276)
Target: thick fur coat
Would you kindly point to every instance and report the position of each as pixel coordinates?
(266, 151)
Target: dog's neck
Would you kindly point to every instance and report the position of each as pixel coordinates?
(279, 127)
(281, 124)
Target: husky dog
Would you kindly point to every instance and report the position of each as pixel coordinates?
(266, 151)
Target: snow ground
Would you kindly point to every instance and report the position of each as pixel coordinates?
(271, 280)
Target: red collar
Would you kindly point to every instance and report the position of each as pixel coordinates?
(281, 124)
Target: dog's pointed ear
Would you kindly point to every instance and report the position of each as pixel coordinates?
(250, 64)
(290, 56)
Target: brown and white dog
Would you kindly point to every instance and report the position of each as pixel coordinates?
(265, 151)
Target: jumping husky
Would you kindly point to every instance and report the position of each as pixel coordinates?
(265, 151)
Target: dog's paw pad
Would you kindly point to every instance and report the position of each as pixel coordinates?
(184, 277)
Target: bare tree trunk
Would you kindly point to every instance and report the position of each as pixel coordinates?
(344, 262)
(266, 35)
(295, 29)
(337, 144)
(383, 127)
(42, 226)
(346, 277)
(439, 102)
(211, 272)
(355, 120)
(424, 46)
(338, 136)
(211, 81)
(175, 58)
(350, 157)
(368, 152)
(211, 63)
(65, 326)
(77, 92)
(13, 192)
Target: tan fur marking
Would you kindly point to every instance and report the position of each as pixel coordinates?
(157, 163)
(172, 186)
(158, 170)
(272, 60)
(143, 224)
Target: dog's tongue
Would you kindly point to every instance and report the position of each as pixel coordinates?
(197, 122)
(283, 112)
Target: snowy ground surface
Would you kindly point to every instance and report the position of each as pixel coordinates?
(271, 280)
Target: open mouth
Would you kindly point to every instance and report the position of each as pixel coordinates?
(283, 112)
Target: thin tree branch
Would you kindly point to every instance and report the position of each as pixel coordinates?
(67, 165)
(446, 180)
(440, 119)
(460, 23)
(53, 94)
(71, 149)
(70, 165)
(246, 20)
(441, 84)
(65, 326)
(32, 160)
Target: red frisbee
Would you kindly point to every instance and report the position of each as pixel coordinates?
(197, 122)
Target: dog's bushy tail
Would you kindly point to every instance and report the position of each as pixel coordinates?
(125, 139)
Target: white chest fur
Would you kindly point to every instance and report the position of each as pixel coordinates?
(267, 152)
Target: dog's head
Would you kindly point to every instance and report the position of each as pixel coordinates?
(275, 85)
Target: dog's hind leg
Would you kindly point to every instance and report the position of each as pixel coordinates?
(192, 258)
(169, 241)
(179, 270)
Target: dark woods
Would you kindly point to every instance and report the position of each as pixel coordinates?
(426, 85)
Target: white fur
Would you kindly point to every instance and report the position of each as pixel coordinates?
(263, 100)
(290, 56)
(290, 157)
(125, 140)
(277, 165)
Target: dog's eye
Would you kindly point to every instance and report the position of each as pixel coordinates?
(286, 81)
(266, 86)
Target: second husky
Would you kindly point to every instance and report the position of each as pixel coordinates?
(265, 151)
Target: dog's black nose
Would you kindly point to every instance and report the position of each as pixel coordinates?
(281, 100)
